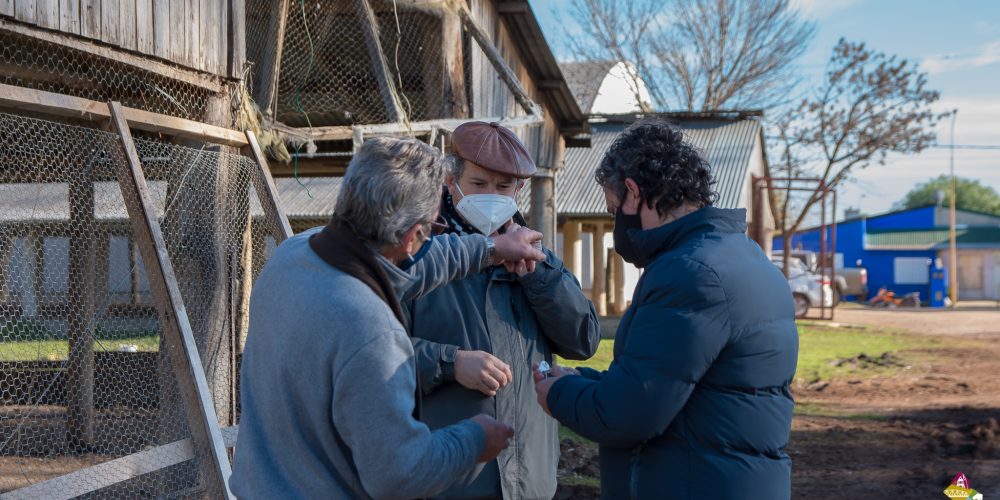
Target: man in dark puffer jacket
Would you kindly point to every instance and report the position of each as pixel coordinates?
(696, 403)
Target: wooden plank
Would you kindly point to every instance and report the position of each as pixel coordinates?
(47, 13)
(343, 133)
(237, 43)
(161, 28)
(503, 69)
(144, 33)
(91, 479)
(111, 21)
(268, 193)
(62, 105)
(24, 11)
(90, 19)
(202, 418)
(176, 44)
(69, 16)
(208, 33)
(377, 62)
(198, 79)
(192, 34)
(268, 64)
(127, 23)
(222, 25)
(6, 7)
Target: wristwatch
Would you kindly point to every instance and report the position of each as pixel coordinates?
(491, 251)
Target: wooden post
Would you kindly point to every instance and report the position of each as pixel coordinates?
(376, 58)
(80, 315)
(621, 301)
(36, 245)
(268, 193)
(543, 210)
(6, 242)
(133, 261)
(757, 202)
(572, 248)
(597, 289)
(188, 368)
(269, 64)
(455, 101)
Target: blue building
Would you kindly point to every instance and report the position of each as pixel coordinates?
(899, 249)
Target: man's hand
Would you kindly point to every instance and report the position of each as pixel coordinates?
(497, 436)
(544, 383)
(481, 371)
(519, 244)
(525, 266)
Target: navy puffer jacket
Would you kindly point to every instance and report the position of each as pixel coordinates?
(696, 403)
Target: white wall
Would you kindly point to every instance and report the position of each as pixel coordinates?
(617, 93)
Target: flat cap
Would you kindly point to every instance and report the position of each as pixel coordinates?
(492, 147)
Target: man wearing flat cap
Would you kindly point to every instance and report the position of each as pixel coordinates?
(476, 339)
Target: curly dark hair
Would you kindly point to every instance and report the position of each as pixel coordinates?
(668, 170)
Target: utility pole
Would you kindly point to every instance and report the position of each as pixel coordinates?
(952, 243)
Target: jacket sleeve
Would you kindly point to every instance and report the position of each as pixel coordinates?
(672, 342)
(566, 316)
(450, 257)
(432, 359)
(395, 455)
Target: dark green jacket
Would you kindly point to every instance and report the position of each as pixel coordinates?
(521, 320)
(696, 403)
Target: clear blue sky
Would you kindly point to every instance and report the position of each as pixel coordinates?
(956, 42)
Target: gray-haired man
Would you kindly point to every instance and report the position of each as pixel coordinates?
(328, 376)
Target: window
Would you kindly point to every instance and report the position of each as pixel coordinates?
(911, 270)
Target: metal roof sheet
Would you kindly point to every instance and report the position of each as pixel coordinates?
(726, 145)
(933, 239)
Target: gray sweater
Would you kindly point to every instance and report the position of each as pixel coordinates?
(327, 383)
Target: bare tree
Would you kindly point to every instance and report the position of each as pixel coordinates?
(697, 55)
(869, 105)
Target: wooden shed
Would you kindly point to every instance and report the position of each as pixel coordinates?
(328, 73)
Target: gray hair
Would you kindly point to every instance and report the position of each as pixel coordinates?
(391, 184)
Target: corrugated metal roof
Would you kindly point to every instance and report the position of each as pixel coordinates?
(314, 198)
(933, 239)
(727, 146)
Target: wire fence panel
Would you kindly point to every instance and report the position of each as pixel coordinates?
(41, 65)
(218, 239)
(328, 75)
(89, 403)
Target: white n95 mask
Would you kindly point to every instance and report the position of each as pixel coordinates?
(486, 212)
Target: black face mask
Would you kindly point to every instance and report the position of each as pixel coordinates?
(623, 244)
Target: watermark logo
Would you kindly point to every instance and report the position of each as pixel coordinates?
(960, 488)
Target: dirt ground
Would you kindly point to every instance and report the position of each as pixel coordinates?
(903, 435)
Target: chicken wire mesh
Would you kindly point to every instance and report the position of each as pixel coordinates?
(327, 74)
(37, 64)
(86, 376)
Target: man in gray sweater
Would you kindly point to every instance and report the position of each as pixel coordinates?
(328, 384)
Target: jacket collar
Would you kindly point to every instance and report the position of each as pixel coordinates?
(653, 242)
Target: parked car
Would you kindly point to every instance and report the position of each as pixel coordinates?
(847, 280)
(808, 289)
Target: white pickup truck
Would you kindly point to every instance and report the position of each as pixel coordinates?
(848, 281)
